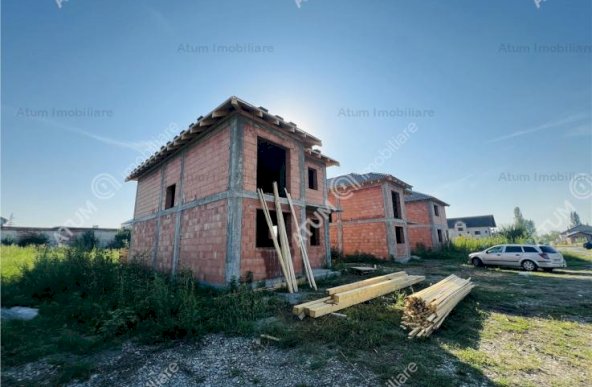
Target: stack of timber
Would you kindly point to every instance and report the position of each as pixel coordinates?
(426, 310)
(344, 296)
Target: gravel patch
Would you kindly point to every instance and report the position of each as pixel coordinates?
(214, 361)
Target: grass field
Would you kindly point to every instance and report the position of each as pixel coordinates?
(512, 330)
(15, 258)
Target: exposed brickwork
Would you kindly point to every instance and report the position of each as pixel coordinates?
(423, 231)
(315, 195)
(418, 212)
(148, 194)
(165, 243)
(143, 240)
(420, 236)
(206, 166)
(251, 133)
(365, 238)
(203, 241)
(364, 221)
(263, 262)
(365, 203)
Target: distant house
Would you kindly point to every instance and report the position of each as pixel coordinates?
(577, 233)
(426, 220)
(371, 216)
(471, 226)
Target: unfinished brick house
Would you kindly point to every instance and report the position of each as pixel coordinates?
(371, 216)
(196, 203)
(426, 221)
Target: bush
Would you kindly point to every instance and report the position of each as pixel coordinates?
(33, 239)
(469, 245)
(8, 241)
(85, 241)
(91, 292)
(121, 239)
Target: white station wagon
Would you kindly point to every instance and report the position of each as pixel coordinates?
(528, 257)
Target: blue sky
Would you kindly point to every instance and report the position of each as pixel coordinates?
(505, 91)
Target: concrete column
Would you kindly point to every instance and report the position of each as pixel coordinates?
(390, 227)
(159, 209)
(235, 203)
(178, 218)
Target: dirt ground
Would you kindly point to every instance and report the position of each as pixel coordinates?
(216, 361)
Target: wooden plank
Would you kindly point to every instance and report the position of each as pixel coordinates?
(375, 290)
(275, 241)
(392, 286)
(303, 252)
(369, 281)
(284, 237)
(300, 308)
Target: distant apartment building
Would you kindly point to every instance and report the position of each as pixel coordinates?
(371, 216)
(426, 221)
(471, 226)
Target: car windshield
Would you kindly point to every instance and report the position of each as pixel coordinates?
(548, 249)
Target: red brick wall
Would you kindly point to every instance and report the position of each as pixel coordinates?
(365, 238)
(204, 228)
(203, 241)
(206, 166)
(334, 234)
(251, 132)
(143, 240)
(312, 195)
(365, 203)
(263, 261)
(420, 235)
(166, 243)
(148, 194)
(418, 212)
(441, 220)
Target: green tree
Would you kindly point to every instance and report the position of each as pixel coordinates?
(513, 233)
(574, 219)
(121, 239)
(86, 241)
(550, 237)
(526, 224)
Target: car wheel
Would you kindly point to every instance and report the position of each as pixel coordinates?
(548, 269)
(477, 262)
(529, 265)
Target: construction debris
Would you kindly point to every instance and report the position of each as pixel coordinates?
(426, 310)
(361, 270)
(344, 296)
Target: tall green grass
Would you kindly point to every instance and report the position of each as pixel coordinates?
(13, 259)
(466, 244)
(99, 299)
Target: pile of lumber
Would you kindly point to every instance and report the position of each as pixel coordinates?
(344, 296)
(426, 310)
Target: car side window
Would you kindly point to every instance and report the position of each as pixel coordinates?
(529, 249)
(513, 249)
(493, 250)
